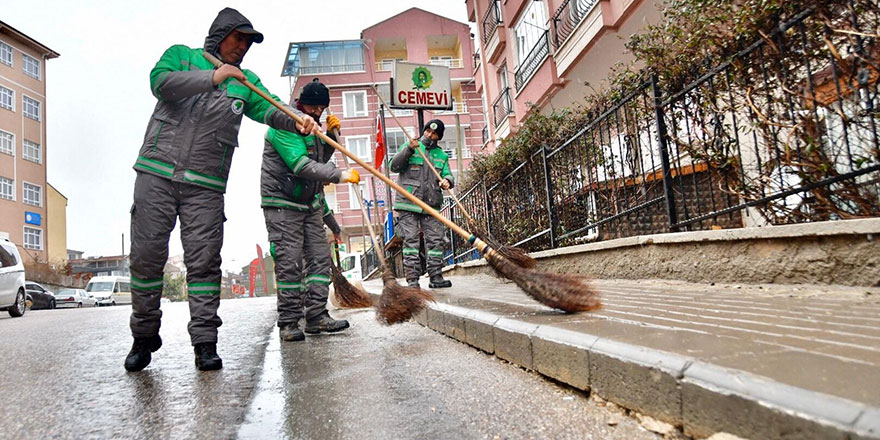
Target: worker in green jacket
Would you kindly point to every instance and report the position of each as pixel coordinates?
(182, 168)
(294, 171)
(418, 179)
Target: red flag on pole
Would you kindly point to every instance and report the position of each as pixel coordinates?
(380, 145)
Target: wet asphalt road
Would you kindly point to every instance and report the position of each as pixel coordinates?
(62, 377)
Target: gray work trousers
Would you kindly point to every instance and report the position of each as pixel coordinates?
(158, 202)
(295, 235)
(410, 224)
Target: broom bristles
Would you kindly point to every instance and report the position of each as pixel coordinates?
(518, 256)
(568, 292)
(399, 303)
(349, 296)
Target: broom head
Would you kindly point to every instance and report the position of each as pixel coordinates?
(347, 295)
(568, 292)
(399, 303)
(518, 256)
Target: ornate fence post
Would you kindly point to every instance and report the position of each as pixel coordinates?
(660, 119)
(488, 208)
(548, 186)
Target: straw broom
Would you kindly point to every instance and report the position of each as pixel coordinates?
(513, 253)
(570, 293)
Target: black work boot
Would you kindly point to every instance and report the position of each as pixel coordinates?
(206, 356)
(139, 356)
(291, 332)
(413, 283)
(323, 323)
(437, 282)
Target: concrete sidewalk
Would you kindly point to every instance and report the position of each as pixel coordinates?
(761, 362)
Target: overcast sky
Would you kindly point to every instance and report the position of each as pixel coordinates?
(99, 101)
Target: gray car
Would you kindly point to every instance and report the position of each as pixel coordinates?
(12, 290)
(74, 298)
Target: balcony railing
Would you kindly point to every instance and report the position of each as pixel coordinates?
(533, 60)
(502, 107)
(491, 20)
(457, 107)
(338, 68)
(567, 17)
(454, 63)
(485, 134)
(476, 60)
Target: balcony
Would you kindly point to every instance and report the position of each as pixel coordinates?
(502, 107)
(530, 64)
(569, 15)
(452, 63)
(457, 107)
(491, 20)
(386, 65)
(485, 135)
(324, 57)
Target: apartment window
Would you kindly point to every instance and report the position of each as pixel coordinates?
(385, 93)
(32, 194)
(31, 66)
(449, 141)
(7, 143)
(7, 98)
(330, 197)
(395, 139)
(33, 238)
(32, 152)
(5, 54)
(354, 104)
(359, 145)
(7, 189)
(30, 107)
(387, 64)
(353, 200)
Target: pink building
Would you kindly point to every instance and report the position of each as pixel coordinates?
(350, 68)
(538, 55)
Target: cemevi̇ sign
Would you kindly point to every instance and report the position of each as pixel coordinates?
(421, 86)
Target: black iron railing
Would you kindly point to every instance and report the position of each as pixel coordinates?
(485, 134)
(567, 17)
(532, 61)
(476, 60)
(502, 107)
(491, 20)
(784, 132)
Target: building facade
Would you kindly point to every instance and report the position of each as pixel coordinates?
(57, 226)
(537, 55)
(101, 266)
(351, 68)
(23, 153)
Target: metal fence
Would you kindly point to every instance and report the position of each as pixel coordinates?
(783, 132)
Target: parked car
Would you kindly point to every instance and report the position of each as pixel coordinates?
(43, 298)
(74, 298)
(110, 290)
(13, 295)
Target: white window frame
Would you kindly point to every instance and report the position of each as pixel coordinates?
(28, 145)
(7, 143)
(7, 54)
(24, 198)
(36, 232)
(354, 113)
(348, 146)
(36, 104)
(7, 188)
(352, 200)
(11, 100)
(392, 149)
(529, 29)
(29, 61)
(331, 198)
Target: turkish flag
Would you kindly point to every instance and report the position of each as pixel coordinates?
(380, 145)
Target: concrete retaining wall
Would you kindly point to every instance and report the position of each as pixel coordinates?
(845, 252)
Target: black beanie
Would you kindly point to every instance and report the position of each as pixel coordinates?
(315, 93)
(437, 126)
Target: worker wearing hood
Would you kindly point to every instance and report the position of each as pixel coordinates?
(182, 167)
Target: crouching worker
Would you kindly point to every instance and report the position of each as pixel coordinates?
(418, 179)
(294, 171)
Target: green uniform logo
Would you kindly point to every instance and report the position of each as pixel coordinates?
(422, 78)
(237, 106)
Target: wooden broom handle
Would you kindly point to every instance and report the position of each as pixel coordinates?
(425, 159)
(429, 210)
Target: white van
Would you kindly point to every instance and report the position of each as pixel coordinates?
(12, 291)
(110, 290)
(351, 265)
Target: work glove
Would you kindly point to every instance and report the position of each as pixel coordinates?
(350, 176)
(333, 124)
